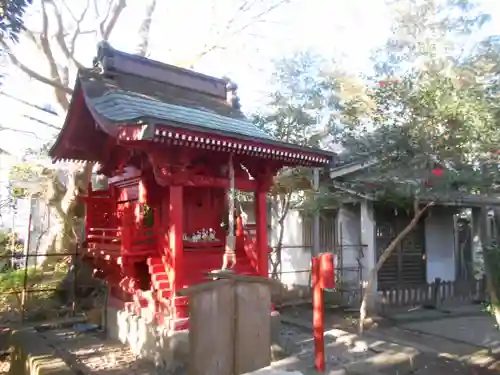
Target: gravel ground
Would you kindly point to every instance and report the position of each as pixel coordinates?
(5, 365)
(299, 344)
(89, 354)
(425, 363)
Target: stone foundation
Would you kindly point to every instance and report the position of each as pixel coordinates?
(296, 294)
(168, 349)
(32, 355)
(291, 293)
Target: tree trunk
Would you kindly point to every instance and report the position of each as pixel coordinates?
(283, 204)
(145, 29)
(69, 208)
(368, 287)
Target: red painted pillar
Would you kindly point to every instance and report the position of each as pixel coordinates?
(88, 211)
(176, 221)
(262, 243)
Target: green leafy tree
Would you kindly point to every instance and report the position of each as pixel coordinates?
(293, 115)
(432, 122)
(429, 134)
(11, 18)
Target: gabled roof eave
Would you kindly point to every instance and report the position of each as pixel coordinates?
(349, 168)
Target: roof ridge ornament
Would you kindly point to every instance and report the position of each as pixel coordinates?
(232, 97)
(110, 60)
(103, 61)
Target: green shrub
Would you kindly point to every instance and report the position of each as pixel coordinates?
(14, 279)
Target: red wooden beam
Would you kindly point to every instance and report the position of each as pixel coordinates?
(176, 221)
(262, 241)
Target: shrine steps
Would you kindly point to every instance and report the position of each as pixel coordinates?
(160, 279)
(176, 307)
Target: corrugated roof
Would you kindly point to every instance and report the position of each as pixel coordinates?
(120, 106)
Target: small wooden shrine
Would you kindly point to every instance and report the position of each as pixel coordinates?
(174, 145)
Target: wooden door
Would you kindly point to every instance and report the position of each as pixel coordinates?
(407, 264)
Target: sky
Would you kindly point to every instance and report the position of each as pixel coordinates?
(340, 29)
(331, 28)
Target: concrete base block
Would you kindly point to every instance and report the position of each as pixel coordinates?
(166, 348)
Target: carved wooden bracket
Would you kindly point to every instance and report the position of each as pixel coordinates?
(264, 175)
(187, 171)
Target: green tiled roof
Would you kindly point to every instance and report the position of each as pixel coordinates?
(118, 106)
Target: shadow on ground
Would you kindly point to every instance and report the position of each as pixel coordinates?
(459, 345)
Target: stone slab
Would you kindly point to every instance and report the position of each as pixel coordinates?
(32, 355)
(272, 371)
(444, 312)
(475, 330)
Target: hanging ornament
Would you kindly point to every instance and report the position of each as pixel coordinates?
(229, 257)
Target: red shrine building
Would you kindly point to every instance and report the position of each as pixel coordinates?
(174, 146)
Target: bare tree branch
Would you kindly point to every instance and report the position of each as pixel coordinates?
(70, 12)
(45, 123)
(228, 33)
(145, 29)
(78, 30)
(102, 21)
(33, 134)
(32, 105)
(59, 75)
(61, 97)
(68, 51)
(108, 22)
(31, 36)
(37, 76)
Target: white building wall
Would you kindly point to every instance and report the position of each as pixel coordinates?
(368, 239)
(356, 227)
(440, 244)
(349, 234)
(295, 258)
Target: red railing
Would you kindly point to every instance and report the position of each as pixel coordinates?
(122, 241)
